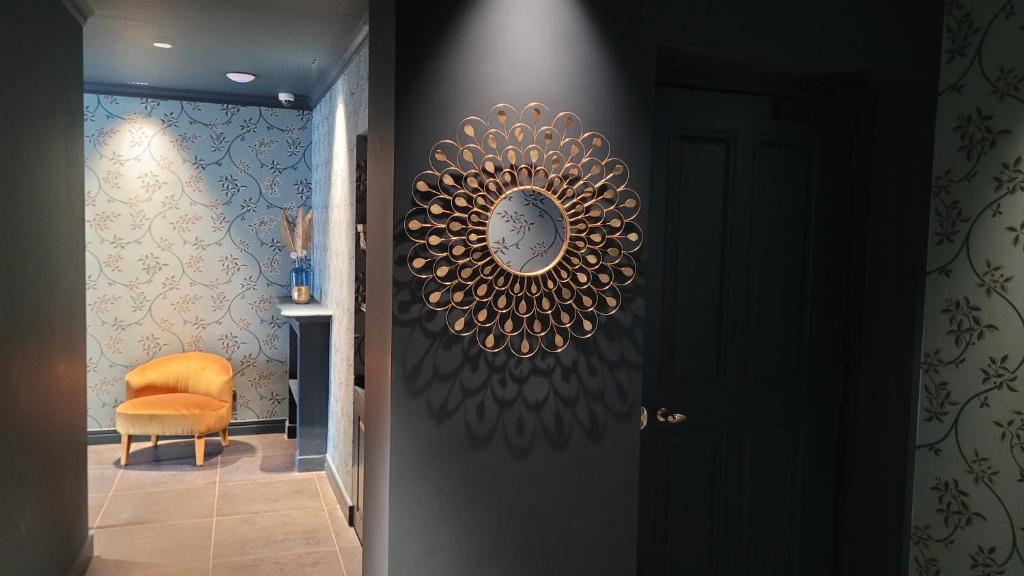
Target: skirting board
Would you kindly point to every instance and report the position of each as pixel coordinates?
(314, 463)
(243, 428)
(339, 492)
(84, 558)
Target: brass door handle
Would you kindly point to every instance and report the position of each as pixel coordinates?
(667, 417)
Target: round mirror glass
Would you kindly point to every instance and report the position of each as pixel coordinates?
(527, 231)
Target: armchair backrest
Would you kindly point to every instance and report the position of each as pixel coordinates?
(192, 372)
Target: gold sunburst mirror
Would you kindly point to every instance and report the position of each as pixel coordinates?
(522, 229)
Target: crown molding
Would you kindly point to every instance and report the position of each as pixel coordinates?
(301, 102)
(324, 84)
(82, 10)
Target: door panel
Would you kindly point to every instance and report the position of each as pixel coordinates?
(771, 472)
(699, 240)
(689, 495)
(747, 239)
(782, 175)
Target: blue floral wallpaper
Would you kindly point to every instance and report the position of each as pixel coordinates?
(968, 514)
(182, 244)
(527, 231)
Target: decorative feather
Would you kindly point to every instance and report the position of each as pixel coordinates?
(307, 227)
(300, 232)
(286, 232)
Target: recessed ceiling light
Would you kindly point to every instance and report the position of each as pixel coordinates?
(137, 83)
(240, 77)
(163, 44)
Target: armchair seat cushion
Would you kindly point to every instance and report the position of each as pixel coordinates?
(177, 413)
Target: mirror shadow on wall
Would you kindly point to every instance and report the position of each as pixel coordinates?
(510, 399)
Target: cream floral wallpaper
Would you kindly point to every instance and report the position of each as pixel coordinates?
(337, 119)
(182, 244)
(968, 517)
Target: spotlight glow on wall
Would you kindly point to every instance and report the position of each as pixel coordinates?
(240, 77)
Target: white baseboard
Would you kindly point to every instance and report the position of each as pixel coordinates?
(339, 488)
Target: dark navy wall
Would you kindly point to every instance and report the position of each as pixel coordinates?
(499, 465)
(460, 496)
(42, 338)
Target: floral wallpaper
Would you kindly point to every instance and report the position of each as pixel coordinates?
(968, 514)
(182, 244)
(527, 231)
(338, 118)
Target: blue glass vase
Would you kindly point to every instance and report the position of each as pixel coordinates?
(301, 282)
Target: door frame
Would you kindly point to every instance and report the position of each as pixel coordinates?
(870, 475)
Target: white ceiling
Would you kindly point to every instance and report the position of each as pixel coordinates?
(277, 40)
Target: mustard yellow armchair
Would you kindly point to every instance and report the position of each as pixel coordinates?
(178, 394)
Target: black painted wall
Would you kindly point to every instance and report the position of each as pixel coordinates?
(884, 347)
(790, 37)
(502, 466)
(42, 338)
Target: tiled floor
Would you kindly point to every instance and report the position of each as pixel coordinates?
(244, 512)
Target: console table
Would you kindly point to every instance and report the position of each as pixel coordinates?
(309, 346)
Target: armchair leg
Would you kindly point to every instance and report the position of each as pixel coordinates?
(200, 448)
(126, 445)
(224, 440)
(153, 439)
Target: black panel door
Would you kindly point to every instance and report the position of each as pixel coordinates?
(747, 246)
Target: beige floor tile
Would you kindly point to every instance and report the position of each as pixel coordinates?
(352, 558)
(258, 466)
(343, 533)
(175, 505)
(266, 443)
(165, 474)
(239, 446)
(316, 563)
(269, 496)
(108, 567)
(142, 452)
(330, 500)
(103, 454)
(155, 546)
(96, 502)
(184, 449)
(101, 479)
(270, 534)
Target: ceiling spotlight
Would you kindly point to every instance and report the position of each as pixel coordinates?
(137, 83)
(240, 77)
(163, 44)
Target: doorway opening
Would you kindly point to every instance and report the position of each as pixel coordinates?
(221, 228)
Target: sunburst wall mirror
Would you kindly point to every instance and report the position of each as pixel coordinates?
(522, 229)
